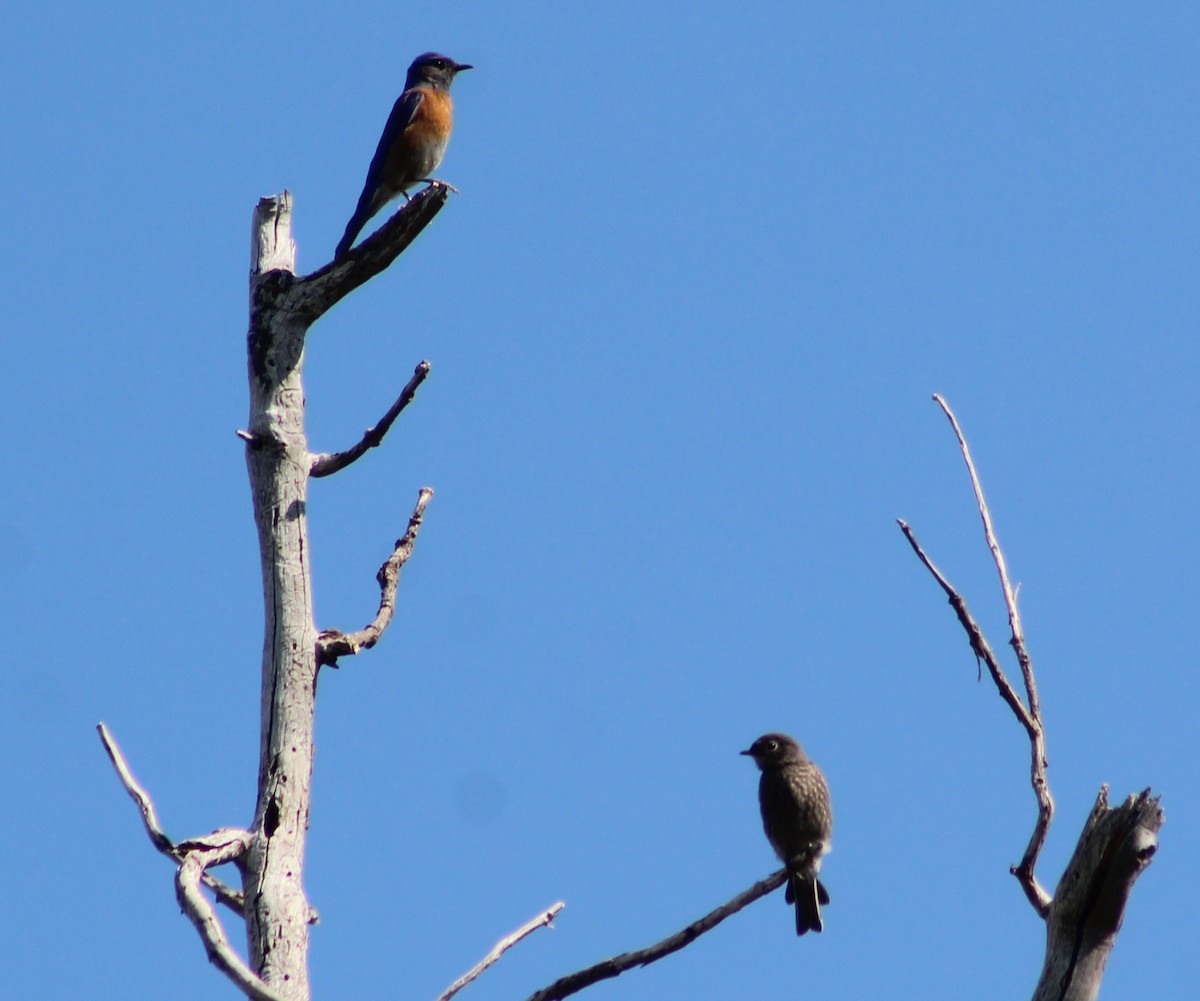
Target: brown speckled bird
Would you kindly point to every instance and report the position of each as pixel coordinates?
(797, 819)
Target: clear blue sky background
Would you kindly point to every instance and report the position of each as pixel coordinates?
(685, 319)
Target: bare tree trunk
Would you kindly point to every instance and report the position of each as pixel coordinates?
(270, 853)
(1081, 930)
(277, 458)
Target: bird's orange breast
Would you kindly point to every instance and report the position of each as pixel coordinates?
(418, 151)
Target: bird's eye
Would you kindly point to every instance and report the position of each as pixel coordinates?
(772, 745)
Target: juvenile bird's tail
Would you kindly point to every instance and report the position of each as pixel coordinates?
(808, 894)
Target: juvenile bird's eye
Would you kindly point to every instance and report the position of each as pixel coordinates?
(772, 745)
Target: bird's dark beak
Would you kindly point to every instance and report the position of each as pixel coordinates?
(459, 67)
(751, 753)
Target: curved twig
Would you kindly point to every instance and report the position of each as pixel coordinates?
(225, 894)
(1017, 641)
(1024, 870)
(333, 643)
(326, 464)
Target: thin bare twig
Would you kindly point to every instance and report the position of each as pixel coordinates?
(225, 894)
(326, 464)
(216, 849)
(575, 982)
(333, 643)
(1017, 641)
(1030, 714)
(500, 948)
(979, 644)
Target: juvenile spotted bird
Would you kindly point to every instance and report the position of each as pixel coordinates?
(796, 816)
(413, 141)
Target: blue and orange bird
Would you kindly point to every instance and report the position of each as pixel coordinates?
(413, 141)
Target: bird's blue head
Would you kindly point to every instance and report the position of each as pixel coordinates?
(432, 69)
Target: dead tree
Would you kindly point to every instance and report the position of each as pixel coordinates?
(1085, 913)
(1082, 918)
(269, 854)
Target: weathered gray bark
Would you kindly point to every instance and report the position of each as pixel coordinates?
(270, 853)
(282, 308)
(1115, 847)
(278, 460)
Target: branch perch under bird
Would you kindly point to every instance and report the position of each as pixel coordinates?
(573, 983)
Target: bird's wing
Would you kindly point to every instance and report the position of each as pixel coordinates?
(373, 197)
(403, 112)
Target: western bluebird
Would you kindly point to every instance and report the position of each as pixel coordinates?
(794, 801)
(413, 141)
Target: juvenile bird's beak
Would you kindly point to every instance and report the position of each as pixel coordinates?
(751, 753)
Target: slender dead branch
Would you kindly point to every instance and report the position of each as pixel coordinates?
(543, 920)
(1029, 713)
(575, 982)
(197, 856)
(136, 792)
(225, 894)
(332, 643)
(327, 464)
(1017, 640)
(979, 644)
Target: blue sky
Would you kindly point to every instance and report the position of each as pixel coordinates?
(685, 320)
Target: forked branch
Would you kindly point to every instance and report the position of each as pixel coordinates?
(1028, 714)
(225, 894)
(198, 855)
(195, 857)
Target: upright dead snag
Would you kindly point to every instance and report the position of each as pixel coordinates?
(1084, 914)
(270, 853)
